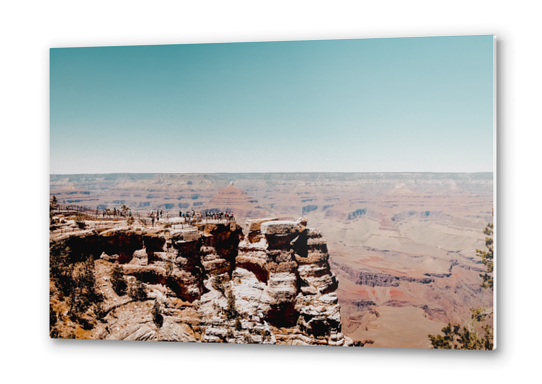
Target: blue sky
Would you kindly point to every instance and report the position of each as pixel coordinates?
(367, 105)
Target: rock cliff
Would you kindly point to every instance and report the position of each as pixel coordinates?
(209, 283)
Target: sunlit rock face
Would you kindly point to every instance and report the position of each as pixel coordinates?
(213, 283)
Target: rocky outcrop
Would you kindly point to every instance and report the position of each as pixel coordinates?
(283, 277)
(254, 229)
(214, 284)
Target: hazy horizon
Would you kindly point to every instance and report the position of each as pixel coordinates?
(342, 106)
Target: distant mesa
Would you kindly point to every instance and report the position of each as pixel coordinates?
(402, 190)
(238, 201)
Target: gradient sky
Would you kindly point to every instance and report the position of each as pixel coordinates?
(369, 105)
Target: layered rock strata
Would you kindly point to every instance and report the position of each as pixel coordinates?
(214, 284)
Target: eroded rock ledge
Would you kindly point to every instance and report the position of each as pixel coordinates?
(214, 284)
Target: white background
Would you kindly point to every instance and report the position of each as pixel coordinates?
(29, 29)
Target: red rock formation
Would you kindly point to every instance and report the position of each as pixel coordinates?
(237, 201)
(213, 284)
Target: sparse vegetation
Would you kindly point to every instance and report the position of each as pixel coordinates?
(237, 325)
(53, 318)
(219, 283)
(362, 343)
(487, 258)
(130, 221)
(472, 336)
(167, 225)
(60, 268)
(80, 220)
(73, 289)
(157, 317)
(118, 282)
(199, 331)
(137, 291)
(168, 267)
(456, 337)
(53, 204)
(231, 311)
(265, 336)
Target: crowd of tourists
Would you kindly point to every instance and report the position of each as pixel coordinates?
(188, 217)
(192, 217)
(114, 212)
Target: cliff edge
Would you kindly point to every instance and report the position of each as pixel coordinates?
(207, 283)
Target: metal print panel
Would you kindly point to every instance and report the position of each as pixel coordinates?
(329, 193)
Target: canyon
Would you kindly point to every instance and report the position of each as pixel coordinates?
(399, 258)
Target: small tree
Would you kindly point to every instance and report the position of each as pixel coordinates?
(231, 311)
(54, 203)
(456, 337)
(118, 282)
(60, 268)
(238, 326)
(466, 337)
(487, 258)
(157, 314)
